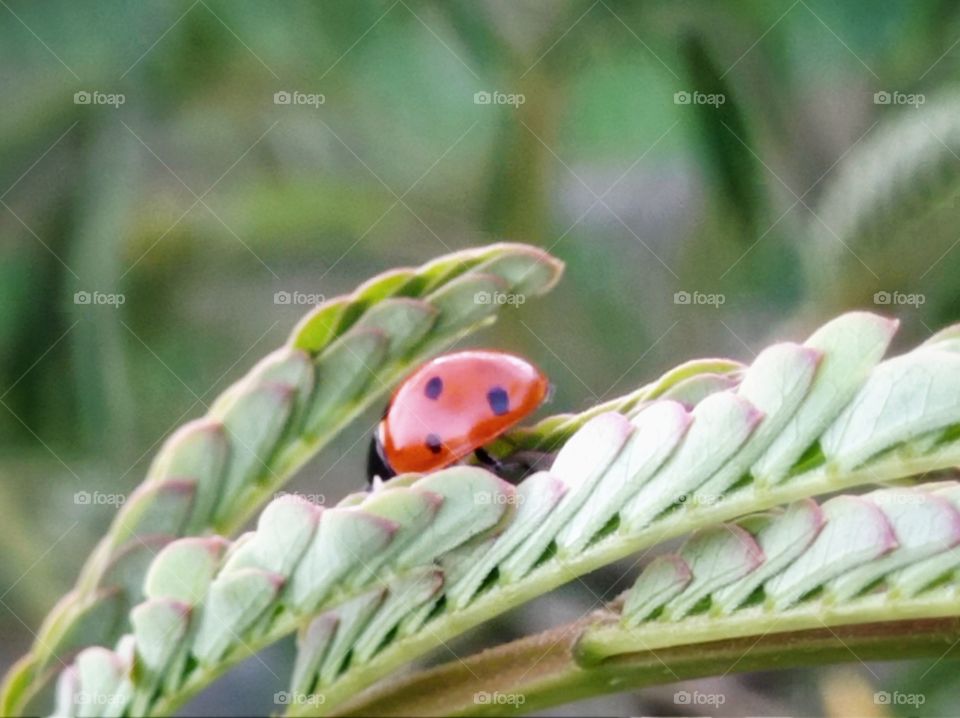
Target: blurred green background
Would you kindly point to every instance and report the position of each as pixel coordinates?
(793, 159)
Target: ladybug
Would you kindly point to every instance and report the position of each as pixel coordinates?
(451, 407)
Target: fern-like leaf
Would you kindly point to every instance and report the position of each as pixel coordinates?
(886, 555)
(866, 576)
(385, 576)
(214, 472)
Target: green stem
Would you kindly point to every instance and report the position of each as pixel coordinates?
(542, 671)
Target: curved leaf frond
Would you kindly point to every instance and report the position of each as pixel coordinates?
(212, 473)
(890, 554)
(858, 577)
(383, 577)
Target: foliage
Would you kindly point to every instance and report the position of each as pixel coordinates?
(214, 471)
(383, 576)
(798, 198)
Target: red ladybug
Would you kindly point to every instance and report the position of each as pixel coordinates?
(450, 407)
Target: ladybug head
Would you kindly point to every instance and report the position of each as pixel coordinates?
(377, 464)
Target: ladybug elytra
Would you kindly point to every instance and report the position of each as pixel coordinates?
(451, 407)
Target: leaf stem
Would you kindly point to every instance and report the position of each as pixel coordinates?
(541, 671)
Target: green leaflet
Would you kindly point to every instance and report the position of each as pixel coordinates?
(319, 327)
(663, 579)
(716, 556)
(234, 601)
(579, 466)
(78, 624)
(658, 388)
(312, 644)
(551, 432)
(127, 567)
(721, 423)
(851, 346)
(284, 532)
(159, 626)
(693, 390)
(105, 688)
(536, 497)
(197, 452)
(457, 301)
(924, 525)
(68, 688)
(284, 367)
(346, 540)
(403, 321)
(656, 432)
(862, 533)
(405, 594)
(903, 399)
(352, 617)
(782, 537)
(524, 277)
(776, 383)
(183, 570)
(159, 629)
(253, 422)
(412, 510)
(458, 562)
(159, 508)
(346, 368)
(474, 501)
(376, 289)
(178, 494)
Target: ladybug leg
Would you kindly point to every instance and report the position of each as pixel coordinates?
(483, 456)
(377, 463)
(516, 467)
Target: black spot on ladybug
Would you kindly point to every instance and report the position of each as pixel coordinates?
(434, 387)
(434, 443)
(498, 400)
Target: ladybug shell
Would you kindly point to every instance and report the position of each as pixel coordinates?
(455, 404)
